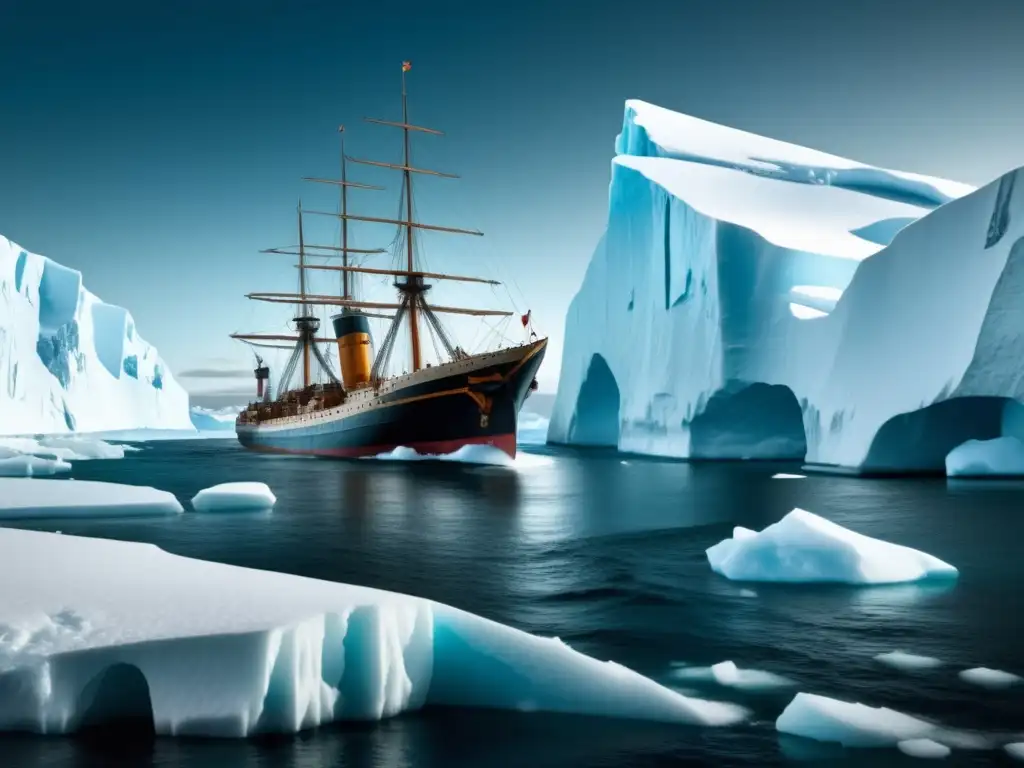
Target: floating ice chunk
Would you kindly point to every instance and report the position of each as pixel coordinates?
(990, 678)
(923, 748)
(728, 674)
(786, 476)
(748, 593)
(467, 454)
(231, 496)
(29, 498)
(907, 661)
(246, 651)
(803, 547)
(1001, 457)
(852, 725)
(1015, 749)
(76, 448)
(31, 466)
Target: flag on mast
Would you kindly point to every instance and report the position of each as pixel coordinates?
(526, 318)
(406, 66)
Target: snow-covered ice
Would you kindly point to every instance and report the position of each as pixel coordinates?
(212, 649)
(803, 547)
(926, 749)
(754, 299)
(998, 457)
(726, 673)
(1015, 749)
(19, 465)
(70, 362)
(990, 678)
(787, 476)
(234, 496)
(29, 498)
(66, 448)
(908, 662)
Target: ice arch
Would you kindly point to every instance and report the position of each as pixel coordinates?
(919, 441)
(117, 700)
(595, 420)
(749, 421)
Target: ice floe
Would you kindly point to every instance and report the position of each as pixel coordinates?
(211, 649)
(990, 678)
(787, 476)
(726, 673)
(999, 457)
(227, 497)
(29, 498)
(1015, 749)
(925, 749)
(908, 662)
(803, 547)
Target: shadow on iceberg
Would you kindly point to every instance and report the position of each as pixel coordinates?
(595, 419)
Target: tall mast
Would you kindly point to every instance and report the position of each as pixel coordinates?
(412, 292)
(303, 308)
(344, 222)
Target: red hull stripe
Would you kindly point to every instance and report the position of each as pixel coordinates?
(506, 443)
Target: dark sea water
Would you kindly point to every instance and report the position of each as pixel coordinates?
(607, 553)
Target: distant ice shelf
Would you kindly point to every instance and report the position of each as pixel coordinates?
(70, 362)
(248, 651)
(752, 299)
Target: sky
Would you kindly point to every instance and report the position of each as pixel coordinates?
(157, 146)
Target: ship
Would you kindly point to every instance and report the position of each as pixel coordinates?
(436, 408)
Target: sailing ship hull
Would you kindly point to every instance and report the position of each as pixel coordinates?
(474, 401)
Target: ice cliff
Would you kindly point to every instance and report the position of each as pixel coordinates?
(69, 362)
(792, 304)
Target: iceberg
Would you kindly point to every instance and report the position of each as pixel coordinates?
(22, 498)
(792, 305)
(214, 419)
(803, 547)
(202, 648)
(999, 457)
(70, 362)
(234, 496)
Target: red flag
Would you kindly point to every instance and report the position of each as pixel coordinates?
(406, 66)
(526, 318)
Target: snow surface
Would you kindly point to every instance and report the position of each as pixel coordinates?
(70, 362)
(28, 498)
(908, 662)
(233, 496)
(803, 547)
(925, 749)
(726, 673)
(990, 678)
(999, 457)
(19, 465)
(212, 649)
(715, 238)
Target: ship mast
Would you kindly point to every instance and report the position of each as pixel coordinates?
(302, 317)
(344, 221)
(413, 286)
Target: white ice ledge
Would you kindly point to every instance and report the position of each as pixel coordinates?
(211, 649)
(22, 498)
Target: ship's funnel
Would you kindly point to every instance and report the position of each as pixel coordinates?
(355, 350)
(262, 375)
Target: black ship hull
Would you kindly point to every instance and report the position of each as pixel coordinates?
(439, 410)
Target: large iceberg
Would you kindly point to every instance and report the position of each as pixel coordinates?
(100, 629)
(70, 362)
(803, 547)
(792, 305)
